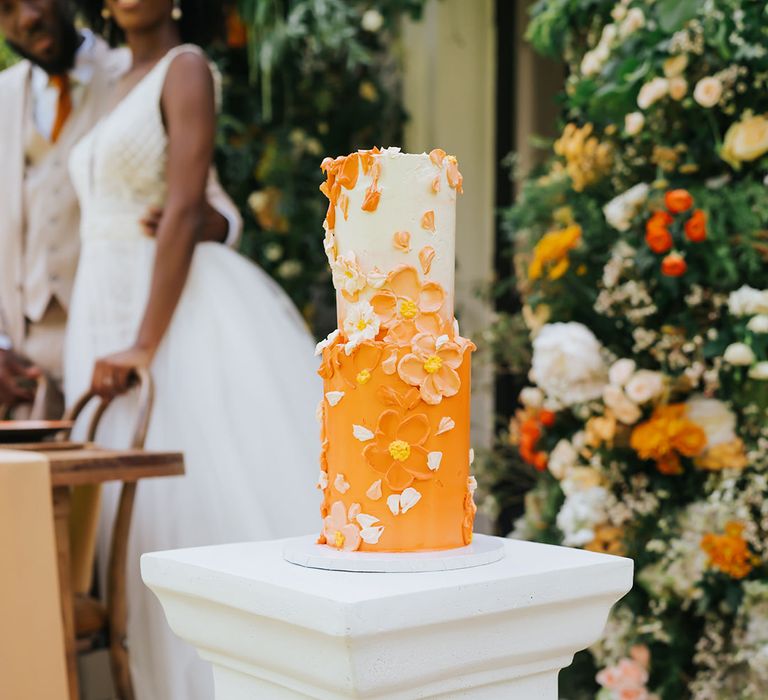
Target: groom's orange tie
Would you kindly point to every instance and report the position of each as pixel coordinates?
(63, 106)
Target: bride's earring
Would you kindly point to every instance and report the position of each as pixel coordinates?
(176, 12)
(106, 15)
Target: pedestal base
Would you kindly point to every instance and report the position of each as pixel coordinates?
(305, 552)
(278, 631)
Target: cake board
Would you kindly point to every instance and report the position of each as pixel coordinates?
(306, 552)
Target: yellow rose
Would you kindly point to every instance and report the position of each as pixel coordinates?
(746, 140)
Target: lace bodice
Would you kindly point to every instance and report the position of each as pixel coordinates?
(118, 169)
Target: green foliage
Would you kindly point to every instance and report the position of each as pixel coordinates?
(7, 57)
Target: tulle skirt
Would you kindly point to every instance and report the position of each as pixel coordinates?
(235, 391)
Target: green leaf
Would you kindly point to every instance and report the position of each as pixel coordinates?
(673, 14)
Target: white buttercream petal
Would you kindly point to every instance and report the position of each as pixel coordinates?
(333, 397)
(471, 455)
(364, 520)
(330, 340)
(434, 459)
(409, 498)
(354, 511)
(362, 433)
(371, 535)
(446, 423)
(393, 503)
(472, 483)
(319, 412)
(376, 278)
(322, 481)
(374, 490)
(341, 484)
(441, 340)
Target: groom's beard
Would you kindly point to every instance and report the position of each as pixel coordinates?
(69, 41)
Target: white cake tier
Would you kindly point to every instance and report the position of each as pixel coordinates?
(411, 186)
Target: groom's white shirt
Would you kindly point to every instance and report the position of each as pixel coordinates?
(39, 219)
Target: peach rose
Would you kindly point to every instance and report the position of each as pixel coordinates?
(708, 91)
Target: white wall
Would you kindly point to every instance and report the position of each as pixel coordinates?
(449, 91)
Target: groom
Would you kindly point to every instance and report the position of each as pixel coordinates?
(47, 103)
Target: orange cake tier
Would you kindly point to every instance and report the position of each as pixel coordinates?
(395, 465)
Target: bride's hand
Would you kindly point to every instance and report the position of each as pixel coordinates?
(113, 375)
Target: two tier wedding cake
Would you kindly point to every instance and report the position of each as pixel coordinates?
(395, 464)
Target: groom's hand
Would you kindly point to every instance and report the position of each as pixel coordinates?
(17, 378)
(215, 225)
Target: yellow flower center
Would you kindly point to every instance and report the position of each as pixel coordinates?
(349, 274)
(408, 309)
(362, 324)
(338, 539)
(432, 364)
(363, 376)
(400, 450)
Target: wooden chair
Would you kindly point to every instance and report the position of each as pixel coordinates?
(96, 622)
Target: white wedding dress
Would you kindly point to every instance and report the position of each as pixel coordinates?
(235, 381)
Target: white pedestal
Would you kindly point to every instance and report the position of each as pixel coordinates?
(277, 631)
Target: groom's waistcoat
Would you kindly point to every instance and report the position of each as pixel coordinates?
(39, 214)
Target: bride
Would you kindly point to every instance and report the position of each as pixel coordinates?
(232, 361)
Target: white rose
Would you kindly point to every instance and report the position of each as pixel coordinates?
(739, 354)
(758, 324)
(747, 301)
(675, 65)
(634, 123)
(625, 410)
(708, 91)
(620, 210)
(634, 20)
(590, 64)
(644, 386)
(714, 417)
(652, 92)
(759, 371)
(372, 21)
(621, 371)
(562, 459)
(567, 363)
(678, 87)
(531, 397)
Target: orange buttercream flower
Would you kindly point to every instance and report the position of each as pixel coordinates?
(551, 253)
(678, 201)
(398, 451)
(729, 552)
(432, 368)
(673, 265)
(358, 368)
(406, 307)
(696, 227)
(667, 435)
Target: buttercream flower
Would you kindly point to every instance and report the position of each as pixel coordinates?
(696, 226)
(432, 368)
(634, 123)
(739, 354)
(360, 324)
(673, 265)
(745, 141)
(708, 91)
(652, 92)
(357, 370)
(758, 324)
(406, 306)
(398, 451)
(644, 386)
(567, 363)
(678, 201)
(348, 278)
(747, 301)
(339, 531)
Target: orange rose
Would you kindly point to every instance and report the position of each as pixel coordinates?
(673, 265)
(678, 201)
(658, 238)
(696, 226)
(547, 418)
(540, 460)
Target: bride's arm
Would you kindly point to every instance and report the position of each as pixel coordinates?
(188, 104)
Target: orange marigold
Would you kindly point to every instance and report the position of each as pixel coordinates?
(666, 435)
(673, 265)
(729, 552)
(696, 227)
(678, 201)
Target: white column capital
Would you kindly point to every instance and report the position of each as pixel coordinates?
(277, 630)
